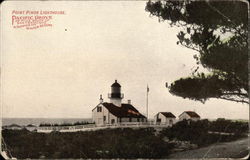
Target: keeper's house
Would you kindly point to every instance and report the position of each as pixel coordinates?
(189, 115)
(116, 111)
(165, 118)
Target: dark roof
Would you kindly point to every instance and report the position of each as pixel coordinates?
(14, 125)
(192, 114)
(115, 84)
(126, 110)
(168, 114)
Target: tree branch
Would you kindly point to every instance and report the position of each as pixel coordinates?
(234, 100)
(190, 47)
(236, 94)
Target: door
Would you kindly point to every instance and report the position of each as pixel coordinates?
(99, 121)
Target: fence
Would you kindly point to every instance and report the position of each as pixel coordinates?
(89, 127)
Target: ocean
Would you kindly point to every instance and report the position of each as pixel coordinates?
(37, 121)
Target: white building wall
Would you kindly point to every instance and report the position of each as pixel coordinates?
(116, 101)
(106, 114)
(98, 117)
(15, 128)
(31, 128)
(187, 117)
(184, 116)
(112, 118)
(155, 118)
(170, 121)
(124, 119)
(164, 120)
(134, 120)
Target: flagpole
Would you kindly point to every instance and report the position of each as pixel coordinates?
(147, 102)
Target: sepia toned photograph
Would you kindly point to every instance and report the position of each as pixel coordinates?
(127, 79)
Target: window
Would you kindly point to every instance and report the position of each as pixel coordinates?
(171, 121)
(99, 109)
(112, 121)
(104, 118)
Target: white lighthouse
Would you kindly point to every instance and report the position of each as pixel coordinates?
(116, 96)
(115, 111)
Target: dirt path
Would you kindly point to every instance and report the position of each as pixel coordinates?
(235, 149)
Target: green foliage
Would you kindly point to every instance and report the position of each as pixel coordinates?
(187, 131)
(198, 132)
(119, 143)
(111, 143)
(202, 87)
(204, 24)
(223, 125)
(199, 12)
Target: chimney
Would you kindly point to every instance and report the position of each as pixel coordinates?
(101, 100)
(129, 101)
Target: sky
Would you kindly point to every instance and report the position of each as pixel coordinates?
(60, 71)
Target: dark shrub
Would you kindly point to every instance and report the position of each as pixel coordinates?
(110, 143)
(197, 132)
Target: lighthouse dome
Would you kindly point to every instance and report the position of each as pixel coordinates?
(116, 96)
(116, 84)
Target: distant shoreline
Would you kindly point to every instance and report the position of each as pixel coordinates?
(38, 121)
(44, 118)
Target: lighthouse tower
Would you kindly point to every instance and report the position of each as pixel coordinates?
(116, 96)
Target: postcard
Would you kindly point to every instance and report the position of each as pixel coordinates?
(127, 79)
